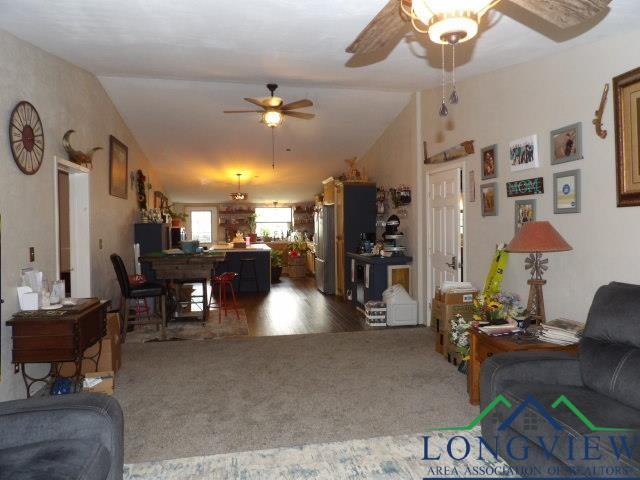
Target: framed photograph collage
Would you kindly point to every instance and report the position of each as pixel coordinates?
(565, 145)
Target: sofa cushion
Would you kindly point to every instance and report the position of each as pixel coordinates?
(600, 410)
(610, 349)
(55, 460)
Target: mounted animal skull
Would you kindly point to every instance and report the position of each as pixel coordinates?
(76, 156)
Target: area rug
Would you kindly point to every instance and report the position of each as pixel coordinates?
(382, 458)
(229, 326)
(185, 399)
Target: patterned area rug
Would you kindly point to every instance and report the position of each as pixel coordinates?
(382, 458)
(229, 326)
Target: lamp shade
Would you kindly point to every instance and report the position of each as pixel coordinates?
(538, 237)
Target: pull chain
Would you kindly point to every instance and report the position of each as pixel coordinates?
(453, 98)
(273, 148)
(444, 111)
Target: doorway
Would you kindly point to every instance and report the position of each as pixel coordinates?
(445, 227)
(64, 233)
(72, 224)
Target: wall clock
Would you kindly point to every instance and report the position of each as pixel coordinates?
(27, 138)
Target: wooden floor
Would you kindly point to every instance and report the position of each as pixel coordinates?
(296, 306)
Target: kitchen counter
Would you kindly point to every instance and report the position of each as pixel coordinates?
(255, 247)
(377, 259)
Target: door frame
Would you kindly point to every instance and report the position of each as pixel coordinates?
(431, 170)
(79, 225)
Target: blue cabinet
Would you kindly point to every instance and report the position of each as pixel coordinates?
(368, 276)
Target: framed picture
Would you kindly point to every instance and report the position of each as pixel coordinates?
(489, 199)
(489, 162)
(525, 213)
(471, 187)
(118, 167)
(626, 93)
(523, 153)
(566, 144)
(566, 192)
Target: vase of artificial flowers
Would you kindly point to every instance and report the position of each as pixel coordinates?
(459, 336)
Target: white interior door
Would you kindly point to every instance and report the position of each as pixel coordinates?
(443, 228)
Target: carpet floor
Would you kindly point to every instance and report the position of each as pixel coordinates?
(192, 398)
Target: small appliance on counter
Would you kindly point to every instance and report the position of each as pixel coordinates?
(367, 241)
(392, 237)
(192, 246)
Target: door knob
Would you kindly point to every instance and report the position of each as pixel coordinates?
(454, 264)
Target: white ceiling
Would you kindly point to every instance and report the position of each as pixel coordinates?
(206, 55)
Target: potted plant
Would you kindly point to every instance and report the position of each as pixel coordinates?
(276, 265)
(296, 258)
(251, 223)
(176, 218)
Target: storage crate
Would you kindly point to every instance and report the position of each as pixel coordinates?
(375, 313)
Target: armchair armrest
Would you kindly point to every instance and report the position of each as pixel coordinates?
(76, 416)
(551, 368)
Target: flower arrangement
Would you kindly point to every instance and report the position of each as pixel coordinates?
(495, 308)
(459, 335)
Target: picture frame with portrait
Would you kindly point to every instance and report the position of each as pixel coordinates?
(489, 199)
(566, 144)
(489, 162)
(525, 212)
(523, 153)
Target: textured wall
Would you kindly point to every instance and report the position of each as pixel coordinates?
(391, 161)
(65, 97)
(535, 98)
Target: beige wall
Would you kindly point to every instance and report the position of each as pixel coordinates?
(535, 98)
(65, 97)
(394, 160)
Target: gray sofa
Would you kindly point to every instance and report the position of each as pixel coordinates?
(603, 382)
(76, 436)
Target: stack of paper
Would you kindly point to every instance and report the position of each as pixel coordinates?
(561, 331)
(456, 287)
(505, 329)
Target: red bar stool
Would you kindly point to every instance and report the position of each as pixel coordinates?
(223, 283)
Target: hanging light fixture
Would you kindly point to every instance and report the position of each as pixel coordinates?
(272, 118)
(447, 22)
(238, 196)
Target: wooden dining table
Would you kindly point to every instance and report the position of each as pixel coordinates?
(183, 268)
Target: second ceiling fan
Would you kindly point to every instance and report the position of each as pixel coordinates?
(273, 109)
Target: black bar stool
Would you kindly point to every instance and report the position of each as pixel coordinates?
(248, 266)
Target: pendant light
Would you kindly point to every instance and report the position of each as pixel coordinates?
(238, 196)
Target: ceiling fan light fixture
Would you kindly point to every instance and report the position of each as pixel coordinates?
(450, 21)
(272, 118)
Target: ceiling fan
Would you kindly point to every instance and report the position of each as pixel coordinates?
(450, 22)
(456, 21)
(274, 110)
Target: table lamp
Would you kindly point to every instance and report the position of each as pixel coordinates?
(536, 238)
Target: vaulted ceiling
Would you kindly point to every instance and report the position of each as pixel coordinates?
(171, 67)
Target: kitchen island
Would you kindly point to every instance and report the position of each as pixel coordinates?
(233, 263)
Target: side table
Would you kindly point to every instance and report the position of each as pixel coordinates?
(484, 346)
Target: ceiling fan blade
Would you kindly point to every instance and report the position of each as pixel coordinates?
(299, 104)
(242, 111)
(564, 13)
(302, 115)
(257, 102)
(384, 28)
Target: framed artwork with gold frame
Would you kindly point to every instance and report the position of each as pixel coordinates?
(626, 92)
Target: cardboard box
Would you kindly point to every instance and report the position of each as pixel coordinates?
(451, 298)
(110, 356)
(442, 313)
(106, 384)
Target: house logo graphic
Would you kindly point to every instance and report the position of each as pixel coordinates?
(515, 426)
(530, 401)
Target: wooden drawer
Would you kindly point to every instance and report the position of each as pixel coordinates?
(485, 352)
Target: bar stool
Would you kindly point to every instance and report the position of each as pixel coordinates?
(248, 265)
(224, 282)
(138, 292)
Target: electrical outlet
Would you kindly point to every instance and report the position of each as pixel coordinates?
(100, 244)
(32, 254)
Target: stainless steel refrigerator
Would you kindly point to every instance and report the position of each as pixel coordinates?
(324, 239)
